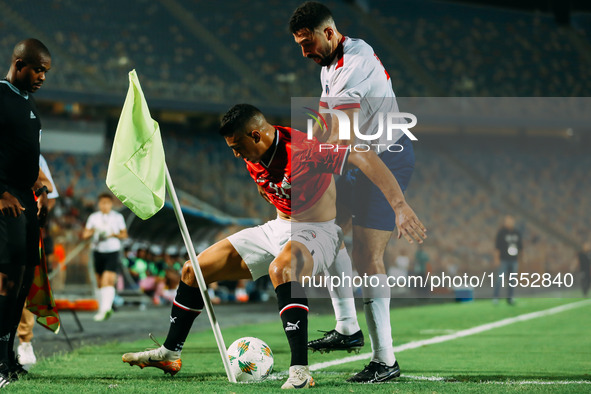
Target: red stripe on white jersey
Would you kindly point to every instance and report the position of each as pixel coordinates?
(348, 106)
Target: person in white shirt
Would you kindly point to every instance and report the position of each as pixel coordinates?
(107, 229)
(357, 87)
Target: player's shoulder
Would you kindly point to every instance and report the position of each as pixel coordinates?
(289, 134)
(357, 47)
(92, 216)
(357, 54)
(116, 214)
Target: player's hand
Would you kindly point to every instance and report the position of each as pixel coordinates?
(264, 194)
(42, 209)
(10, 205)
(409, 225)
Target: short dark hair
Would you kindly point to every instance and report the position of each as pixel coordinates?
(309, 15)
(30, 50)
(237, 118)
(105, 195)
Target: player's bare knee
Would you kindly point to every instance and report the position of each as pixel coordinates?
(279, 273)
(280, 270)
(188, 275)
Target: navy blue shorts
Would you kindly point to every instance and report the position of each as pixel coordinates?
(365, 201)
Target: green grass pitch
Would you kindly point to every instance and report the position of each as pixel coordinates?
(546, 354)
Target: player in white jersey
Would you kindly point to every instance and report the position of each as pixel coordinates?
(355, 83)
(107, 229)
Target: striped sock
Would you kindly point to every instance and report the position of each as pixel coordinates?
(187, 305)
(293, 309)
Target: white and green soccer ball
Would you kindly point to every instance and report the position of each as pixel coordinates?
(251, 359)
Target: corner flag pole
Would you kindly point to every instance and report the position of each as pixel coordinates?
(202, 286)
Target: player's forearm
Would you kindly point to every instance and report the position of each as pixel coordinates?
(122, 234)
(370, 164)
(87, 233)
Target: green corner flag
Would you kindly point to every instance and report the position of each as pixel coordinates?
(136, 173)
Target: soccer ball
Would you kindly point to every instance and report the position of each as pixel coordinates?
(251, 359)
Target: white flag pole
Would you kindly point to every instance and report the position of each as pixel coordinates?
(202, 286)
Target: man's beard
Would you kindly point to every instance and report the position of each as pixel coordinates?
(324, 60)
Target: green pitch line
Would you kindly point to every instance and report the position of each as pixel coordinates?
(551, 353)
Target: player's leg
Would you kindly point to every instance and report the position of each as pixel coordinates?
(26, 355)
(218, 262)
(346, 335)
(98, 262)
(20, 256)
(106, 284)
(9, 276)
(293, 262)
(373, 223)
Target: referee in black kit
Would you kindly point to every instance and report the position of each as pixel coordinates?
(20, 215)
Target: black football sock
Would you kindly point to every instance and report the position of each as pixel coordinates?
(293, 309)
(4, 329)
(10, 351)
(187, 305)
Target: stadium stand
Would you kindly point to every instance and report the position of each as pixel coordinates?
(443, 48)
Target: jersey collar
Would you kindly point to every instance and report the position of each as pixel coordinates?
(276, 140)
(340, 53)
(24, 95)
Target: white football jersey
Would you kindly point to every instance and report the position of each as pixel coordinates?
(104, 227)
(356, 78)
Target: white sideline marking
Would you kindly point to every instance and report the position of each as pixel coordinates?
(458, 334)
(508, 382)
(438, 331)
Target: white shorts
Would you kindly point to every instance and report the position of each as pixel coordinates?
(258, 246)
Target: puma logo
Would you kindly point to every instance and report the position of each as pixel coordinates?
(292, 326)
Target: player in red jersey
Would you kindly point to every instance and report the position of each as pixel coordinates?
(302, 241)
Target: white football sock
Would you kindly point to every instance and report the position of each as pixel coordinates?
(376, 304)
(107, 295)
(342, 299)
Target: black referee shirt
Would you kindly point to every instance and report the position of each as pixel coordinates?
(509, 243)
(20, 132)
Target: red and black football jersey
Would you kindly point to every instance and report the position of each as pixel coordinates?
(299, 171)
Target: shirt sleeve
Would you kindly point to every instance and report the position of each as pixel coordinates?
(120, 222)
(45, 169)
(90, 222)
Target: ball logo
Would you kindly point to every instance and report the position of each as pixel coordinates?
(243, 347)
(247, 367)
(267, 351)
